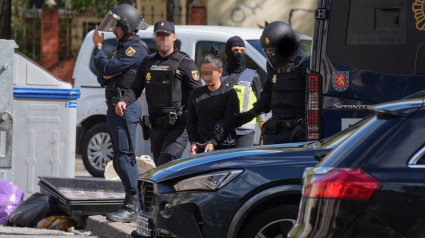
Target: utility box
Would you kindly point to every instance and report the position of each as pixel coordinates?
(42, 114)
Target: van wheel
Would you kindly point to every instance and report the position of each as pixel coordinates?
(97, 149)
(272, 222)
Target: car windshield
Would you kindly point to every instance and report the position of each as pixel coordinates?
(257, 45)
(332, 141)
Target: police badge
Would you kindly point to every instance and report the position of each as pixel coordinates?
(148, 77)
(274, 80)
(195, 75)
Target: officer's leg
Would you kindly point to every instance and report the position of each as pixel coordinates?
(174, 144)
(277, 138)
(157, 138)
(113, 121)
(125, 166)
(245, 140)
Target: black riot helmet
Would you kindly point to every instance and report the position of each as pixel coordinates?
(125, 16)
(279, 42)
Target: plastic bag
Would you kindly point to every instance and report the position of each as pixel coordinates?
(32, 210)
(10, 197)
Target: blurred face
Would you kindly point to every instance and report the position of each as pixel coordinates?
(210, 74)
(165, 42)
(119, 33)
(238, 49)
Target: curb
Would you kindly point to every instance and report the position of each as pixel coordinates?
(101, 227)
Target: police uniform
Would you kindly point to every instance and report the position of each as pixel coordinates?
(247, 85)
(125, 61)
(284, 94)
(168, 83)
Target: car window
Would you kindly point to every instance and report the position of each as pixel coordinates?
(109, 46)
(418, 159)
(203, 48)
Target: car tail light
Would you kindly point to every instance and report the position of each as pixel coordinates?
(313, 105)
(340, 183)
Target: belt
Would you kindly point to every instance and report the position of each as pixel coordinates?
(291, 123)
(111, 102)
(159, 121)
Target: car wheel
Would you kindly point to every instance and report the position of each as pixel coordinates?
(272, 222)
(97, 149)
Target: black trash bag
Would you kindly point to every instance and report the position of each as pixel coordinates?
(32, 210)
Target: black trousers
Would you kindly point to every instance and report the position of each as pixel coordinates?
(168, 144)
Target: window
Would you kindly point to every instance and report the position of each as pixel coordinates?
(375, 36)
(418, 159)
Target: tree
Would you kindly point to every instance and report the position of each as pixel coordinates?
(5, 18)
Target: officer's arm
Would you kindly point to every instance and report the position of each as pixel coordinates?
(136, 89)
(256, 85)
(190, 74)
(263, 103)
(231, 108)
(101, 80)
(121, 62)
(191, 122)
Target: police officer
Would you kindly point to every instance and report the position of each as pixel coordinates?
(284, 89)
(247, 84)
(118, 74)
(169, 76)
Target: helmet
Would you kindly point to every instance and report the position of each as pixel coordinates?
(279, 42)
(125, 16)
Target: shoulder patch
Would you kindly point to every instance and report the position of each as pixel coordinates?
(195, 75)
(130, 51)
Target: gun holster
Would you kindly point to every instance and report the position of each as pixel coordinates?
(145, 124)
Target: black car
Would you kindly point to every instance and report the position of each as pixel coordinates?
(248, 192)
(373, 183)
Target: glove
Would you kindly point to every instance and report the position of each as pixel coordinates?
(297, 134)
(244, 117)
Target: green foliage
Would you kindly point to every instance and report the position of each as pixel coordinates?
(102, 6)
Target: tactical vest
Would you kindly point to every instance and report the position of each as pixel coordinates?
(288, 89)
(124, 80)
(163, 89)
(243, 88)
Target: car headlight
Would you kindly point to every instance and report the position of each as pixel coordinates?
(211, 181)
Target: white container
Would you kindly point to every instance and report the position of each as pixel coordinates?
(44, 111)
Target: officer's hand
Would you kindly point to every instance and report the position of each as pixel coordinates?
(297, 134)
(244, 117)
(209, 147)
(120, 107)
(193, 149)
(97, 39)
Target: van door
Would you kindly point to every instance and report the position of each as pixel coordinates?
(366, 52)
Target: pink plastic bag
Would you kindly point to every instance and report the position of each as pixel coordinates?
(10, 197)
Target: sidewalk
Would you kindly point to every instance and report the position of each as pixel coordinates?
(100, 227)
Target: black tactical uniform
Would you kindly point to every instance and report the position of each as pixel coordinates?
(168, 82)
(285, 87)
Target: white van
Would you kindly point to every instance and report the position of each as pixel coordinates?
(93, 141)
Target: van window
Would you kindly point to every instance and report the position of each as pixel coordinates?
(203, 48)
(367, 34)
(109, 46)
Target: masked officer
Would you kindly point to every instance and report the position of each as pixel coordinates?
(247, 84)
(168, 76)
(118, 74)
(284, 89)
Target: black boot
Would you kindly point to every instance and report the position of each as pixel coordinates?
(127, 213)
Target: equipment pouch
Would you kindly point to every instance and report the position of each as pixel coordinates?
(172, 118)
(145, 124)
(272, 126)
